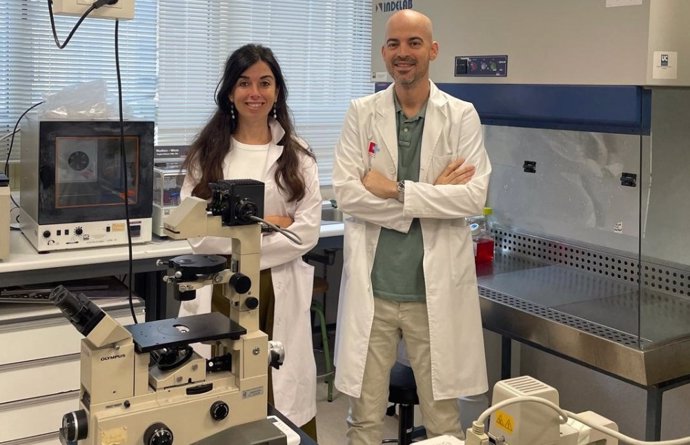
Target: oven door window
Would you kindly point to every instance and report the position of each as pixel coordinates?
(89, 171)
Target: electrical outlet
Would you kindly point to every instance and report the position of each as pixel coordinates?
(122, 10)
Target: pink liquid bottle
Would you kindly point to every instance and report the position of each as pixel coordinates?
(483, 238)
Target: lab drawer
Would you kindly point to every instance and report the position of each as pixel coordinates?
(51, 335)
(39, 369)
(35, 416)
(39, 378)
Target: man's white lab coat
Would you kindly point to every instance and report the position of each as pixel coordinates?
(369, 140)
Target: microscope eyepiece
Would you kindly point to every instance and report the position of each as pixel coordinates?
(78, 309)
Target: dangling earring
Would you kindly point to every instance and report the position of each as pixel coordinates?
(275, 113)
(232, 111)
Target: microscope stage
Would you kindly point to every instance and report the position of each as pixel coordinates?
(172, 332)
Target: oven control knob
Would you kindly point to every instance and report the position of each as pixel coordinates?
(78, 231)
(46, 234)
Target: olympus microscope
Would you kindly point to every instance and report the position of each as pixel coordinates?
(143, 383)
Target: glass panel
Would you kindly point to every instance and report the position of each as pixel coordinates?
(566, 208)
(665, 244)
(89, 171)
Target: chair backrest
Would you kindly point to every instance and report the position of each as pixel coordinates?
(402, 388)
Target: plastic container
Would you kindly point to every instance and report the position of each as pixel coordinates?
(482, 238)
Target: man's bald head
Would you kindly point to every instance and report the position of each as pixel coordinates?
(411, 19)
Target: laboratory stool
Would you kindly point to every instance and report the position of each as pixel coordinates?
(320, 288)
(402, 391)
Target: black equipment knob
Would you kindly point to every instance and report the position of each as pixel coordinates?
(158, 434)
(78, 231)
(251, 303)
(276, 354)
(219, 410)
(46, 234)
(240, 282)
(75, 426)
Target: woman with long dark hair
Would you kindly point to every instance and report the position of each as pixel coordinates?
(251, 136)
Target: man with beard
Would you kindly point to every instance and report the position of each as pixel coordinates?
(410, 166)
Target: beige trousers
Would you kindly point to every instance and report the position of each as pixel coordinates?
(393, 320)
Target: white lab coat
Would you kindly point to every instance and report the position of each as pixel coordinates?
(451, 130)
(294, 384)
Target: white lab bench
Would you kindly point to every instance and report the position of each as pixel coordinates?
(24, 258)
(26, 266)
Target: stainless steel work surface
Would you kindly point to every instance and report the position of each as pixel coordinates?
(554, 286)
(661, 317)
(587, 317)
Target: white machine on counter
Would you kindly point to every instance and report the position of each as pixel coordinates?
(4, 217)
(167, 183)
(143, 383)
(525, 411)
(515, 420)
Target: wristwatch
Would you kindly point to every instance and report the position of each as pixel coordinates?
(401, 191)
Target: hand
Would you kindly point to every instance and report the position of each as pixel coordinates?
(457, 172)
(379, 185)
(280, 221)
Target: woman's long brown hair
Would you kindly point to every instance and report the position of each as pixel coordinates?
(210, 147)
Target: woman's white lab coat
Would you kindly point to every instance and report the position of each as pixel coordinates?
(369, 139)
(294, 384)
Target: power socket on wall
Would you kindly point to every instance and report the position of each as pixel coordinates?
(122, 10)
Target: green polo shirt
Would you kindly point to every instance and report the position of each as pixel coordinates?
(398, 272)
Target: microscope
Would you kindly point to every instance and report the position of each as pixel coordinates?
(143, 384)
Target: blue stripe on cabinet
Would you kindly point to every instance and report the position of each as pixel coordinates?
(597, 108)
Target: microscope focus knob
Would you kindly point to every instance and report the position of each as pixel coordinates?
(75, 426)
(158, 434)
(240, 282)
(219, 410)
(251, 303)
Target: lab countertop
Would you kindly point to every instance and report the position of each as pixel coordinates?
(24, 257)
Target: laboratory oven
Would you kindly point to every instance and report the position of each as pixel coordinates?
(74, 182)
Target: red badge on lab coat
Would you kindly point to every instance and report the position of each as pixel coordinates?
(373, 149)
